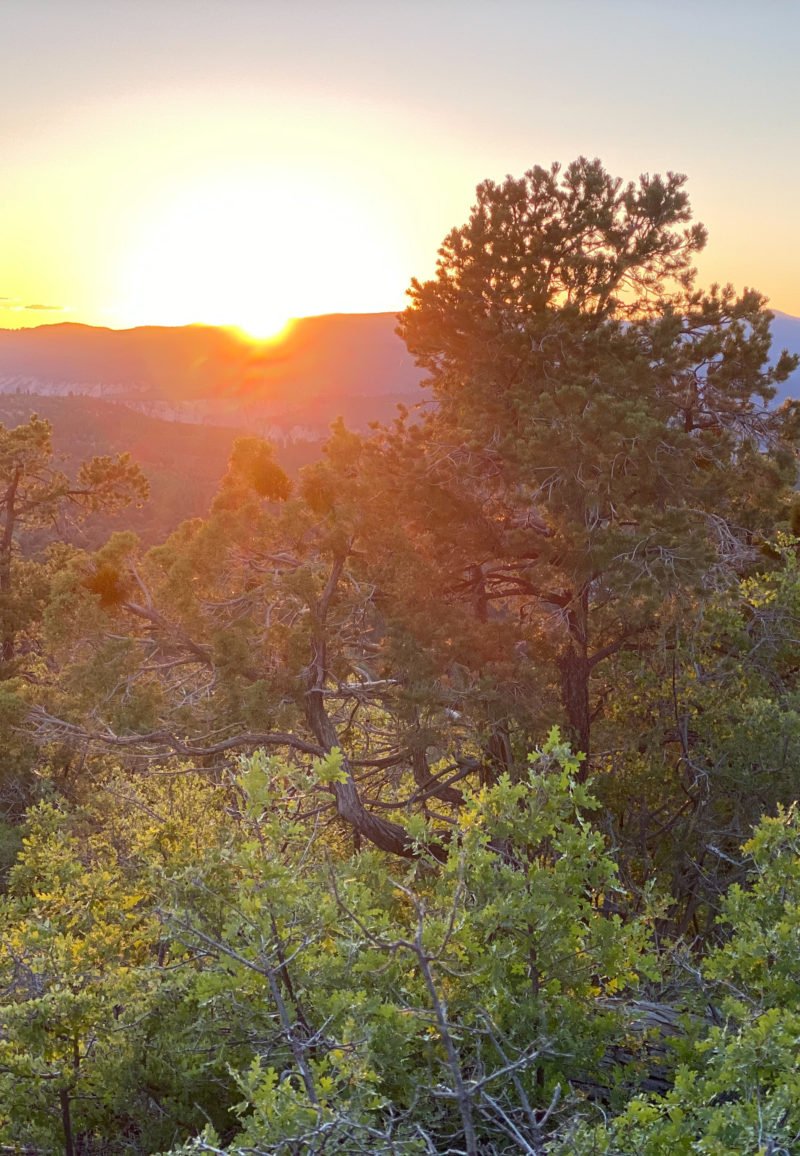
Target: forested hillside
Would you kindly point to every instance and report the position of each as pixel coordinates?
(438, 796)
(183, 462)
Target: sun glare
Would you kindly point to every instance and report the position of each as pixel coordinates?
(252, 252)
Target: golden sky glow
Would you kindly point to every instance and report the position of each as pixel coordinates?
(254, 248)
(240, 163)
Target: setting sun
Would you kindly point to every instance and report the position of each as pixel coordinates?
(252, 250)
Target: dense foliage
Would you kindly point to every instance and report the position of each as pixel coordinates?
(442, 802)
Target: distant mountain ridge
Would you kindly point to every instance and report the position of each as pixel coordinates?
(353, 365)
(194, 389)
(786, 335)
(338, 355)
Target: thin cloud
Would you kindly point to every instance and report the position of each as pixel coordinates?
(47, 308)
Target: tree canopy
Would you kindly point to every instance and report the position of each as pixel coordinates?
(36, 494)
(610, 419)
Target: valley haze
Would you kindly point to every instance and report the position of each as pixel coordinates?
(349, 365)
(177, 397)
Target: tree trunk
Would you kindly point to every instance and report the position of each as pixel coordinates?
(575, 668)
(426, 781)
(66, 1122)
(383, 833)
(498, 752)
(6, 543)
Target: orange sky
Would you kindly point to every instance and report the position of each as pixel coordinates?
(240, 162)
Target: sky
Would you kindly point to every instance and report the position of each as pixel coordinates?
(244, 161)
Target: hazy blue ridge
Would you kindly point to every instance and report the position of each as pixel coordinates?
(786, 335)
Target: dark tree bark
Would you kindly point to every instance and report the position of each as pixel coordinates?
(66, 1122)
(575, 668)
(382, 832)
(9, 503)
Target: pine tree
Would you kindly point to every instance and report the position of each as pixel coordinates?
(33, 495)
(610, 420)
